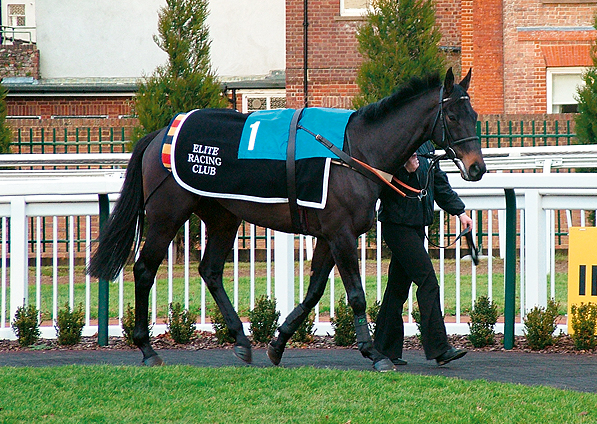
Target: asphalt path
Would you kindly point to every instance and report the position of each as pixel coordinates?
(562, 371)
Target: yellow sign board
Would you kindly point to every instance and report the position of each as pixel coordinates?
(582, 268)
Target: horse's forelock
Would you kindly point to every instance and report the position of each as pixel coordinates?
(400, 96)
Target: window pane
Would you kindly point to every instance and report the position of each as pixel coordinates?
(565, 87)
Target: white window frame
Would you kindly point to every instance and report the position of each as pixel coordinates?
(344, 11)
(575, 70)
(268, 94)
(13, 18)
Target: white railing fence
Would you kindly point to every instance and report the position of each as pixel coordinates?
(25, 275)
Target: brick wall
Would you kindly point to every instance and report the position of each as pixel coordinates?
(46, 107)
(333, 58)
(491, 36)
(19, 60)
(528, 53)
(482, 50)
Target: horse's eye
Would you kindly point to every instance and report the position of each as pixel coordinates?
(451, 117)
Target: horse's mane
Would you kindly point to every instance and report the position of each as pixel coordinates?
(400, 96)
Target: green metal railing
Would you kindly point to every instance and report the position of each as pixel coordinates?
(525, 134)
(78, 140)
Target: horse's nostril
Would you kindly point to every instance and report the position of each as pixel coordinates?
(476, 172)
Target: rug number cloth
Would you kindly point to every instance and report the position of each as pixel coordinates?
(227, 154)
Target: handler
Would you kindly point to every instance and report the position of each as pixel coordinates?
(403, 221)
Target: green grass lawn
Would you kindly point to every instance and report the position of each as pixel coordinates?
(260, 289)
(185, 394)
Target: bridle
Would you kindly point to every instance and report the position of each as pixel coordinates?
(447, 138)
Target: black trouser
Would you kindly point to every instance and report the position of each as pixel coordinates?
(410, 263)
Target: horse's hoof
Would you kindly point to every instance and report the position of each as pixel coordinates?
(243, 353)
(384, 365)
(153, 361)
(274, 354)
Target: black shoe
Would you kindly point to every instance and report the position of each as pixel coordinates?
(450, 355)
(399, 361)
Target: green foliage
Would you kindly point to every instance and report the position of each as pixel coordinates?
(586, 119)
(540, 324)
(181, 324)
(221, 330)
(304, 334)
(416, 314)
(584, 325)
(26, 325)
(373, 312)
(187, 82)
(264, 319)
(69, 325)
(5, 133)
(398, 40)
(128, 324)
(343, 325)
(483, 318)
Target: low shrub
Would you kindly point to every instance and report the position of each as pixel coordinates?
(128, 324)
(181, 324)
(540, 324)
(584, 324)
(343, 325)
(416, 315)
(305, 333)
(483, 318)
(69, 325)
(26, 325)
(373, 312)
(264, 319)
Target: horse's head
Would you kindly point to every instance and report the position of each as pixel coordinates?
(455, 128)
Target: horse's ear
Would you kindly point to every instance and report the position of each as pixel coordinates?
(466, 80)
(449, 82)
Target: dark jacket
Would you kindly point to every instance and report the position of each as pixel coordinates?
(412, 211)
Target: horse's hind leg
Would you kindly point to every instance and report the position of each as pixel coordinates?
(159, 235)
(222, 227)
(321, 266)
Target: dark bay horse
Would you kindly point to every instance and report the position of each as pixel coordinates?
(383, 135)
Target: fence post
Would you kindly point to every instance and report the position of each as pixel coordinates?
(536, 263)
(104, 285)
(284, 272)
(510, 269)
(19, 295)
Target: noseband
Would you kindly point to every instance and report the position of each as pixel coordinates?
(447, 138)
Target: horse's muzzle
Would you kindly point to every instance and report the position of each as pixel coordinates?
(476, 171)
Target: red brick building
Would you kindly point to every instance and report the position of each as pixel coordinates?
(526, 55)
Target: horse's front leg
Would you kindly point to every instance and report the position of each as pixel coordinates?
(344, 252)
(321, 266)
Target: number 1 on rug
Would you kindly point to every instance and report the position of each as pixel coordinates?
(254, 127)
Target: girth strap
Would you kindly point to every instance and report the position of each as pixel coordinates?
(291, 172)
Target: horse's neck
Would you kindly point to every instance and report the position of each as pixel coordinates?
(388, 143)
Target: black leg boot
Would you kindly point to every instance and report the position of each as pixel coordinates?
(276, 347)
(365, 345)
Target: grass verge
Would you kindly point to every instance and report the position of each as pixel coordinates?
(185, 394)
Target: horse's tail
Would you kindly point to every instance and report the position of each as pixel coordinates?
(125, 223)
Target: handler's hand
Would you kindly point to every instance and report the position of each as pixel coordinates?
(466, 221)
(412, 163)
